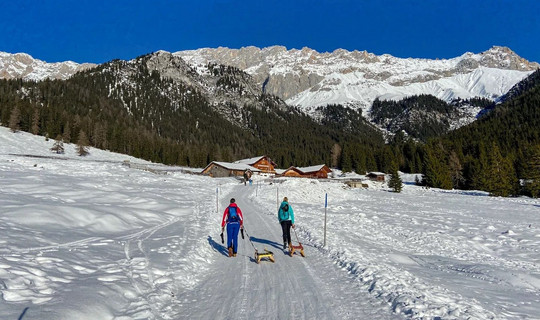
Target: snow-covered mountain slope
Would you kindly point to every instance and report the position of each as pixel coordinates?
(22, 65)
(90, 238)
(308, 78)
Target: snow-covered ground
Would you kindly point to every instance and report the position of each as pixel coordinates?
(91, 238)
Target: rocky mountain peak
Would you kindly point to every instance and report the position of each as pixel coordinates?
(504, 58)
(22, 65)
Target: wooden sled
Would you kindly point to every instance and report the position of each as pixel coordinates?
(265, 254)
(293, 249)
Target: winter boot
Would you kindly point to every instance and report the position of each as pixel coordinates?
(230, 252)
(284, 245)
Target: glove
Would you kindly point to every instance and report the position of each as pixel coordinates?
(222, 240)
(242, 232)
(293, 226)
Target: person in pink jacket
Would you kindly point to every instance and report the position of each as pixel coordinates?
(234, 220)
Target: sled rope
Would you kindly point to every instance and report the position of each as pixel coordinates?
(249, 238)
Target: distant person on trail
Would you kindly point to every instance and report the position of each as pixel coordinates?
(286, 219)
(247, 176)
(235, 221)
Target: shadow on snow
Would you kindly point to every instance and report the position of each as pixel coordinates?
(218, 247)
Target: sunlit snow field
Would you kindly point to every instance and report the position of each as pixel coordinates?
(91, 238)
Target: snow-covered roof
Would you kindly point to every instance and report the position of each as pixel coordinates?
(376, 173)
(250, 160)
(311, 169)
(235, 166)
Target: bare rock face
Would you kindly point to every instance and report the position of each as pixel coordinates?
(220, 84)
(504, 58)
(171, 67)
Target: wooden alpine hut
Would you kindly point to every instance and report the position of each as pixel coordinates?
(318, 171)
(292, 172)
(226, 169)
(263, 163)
(376, 176)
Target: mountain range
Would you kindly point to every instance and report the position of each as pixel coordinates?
(308, 79)
(187, 109)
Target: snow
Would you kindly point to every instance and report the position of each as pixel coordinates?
(356, 89)
(250, 160)
(92, 238)
(311, 168)
(356, 79)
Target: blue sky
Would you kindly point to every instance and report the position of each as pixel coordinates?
(99, 31)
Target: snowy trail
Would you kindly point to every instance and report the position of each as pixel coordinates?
(290, 288)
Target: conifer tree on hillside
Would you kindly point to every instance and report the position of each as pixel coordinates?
(58, 145)
(346, 160)
(501, 177)
(15, 119)
(35, 122)
(532, 175)
(82, 144)
(66, 135)
(477, 169)
(395, 181)
(436, 170)
(456, 171)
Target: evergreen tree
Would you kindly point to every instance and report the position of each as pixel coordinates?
(346, 160)
(395, 181)
(35, 122)
(58, 145)
(82, 144)
(66, 135)
(501, 179)
(436, 170)
(15, 119)
(456, 170)
(532, 178)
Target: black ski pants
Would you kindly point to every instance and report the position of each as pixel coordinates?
(286, 228)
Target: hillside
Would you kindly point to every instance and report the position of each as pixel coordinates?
(158, 108)
(496, 152)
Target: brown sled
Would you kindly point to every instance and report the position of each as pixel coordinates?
(299, 247)
(265, 254)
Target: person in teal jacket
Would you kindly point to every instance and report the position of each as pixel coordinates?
(286, 219)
